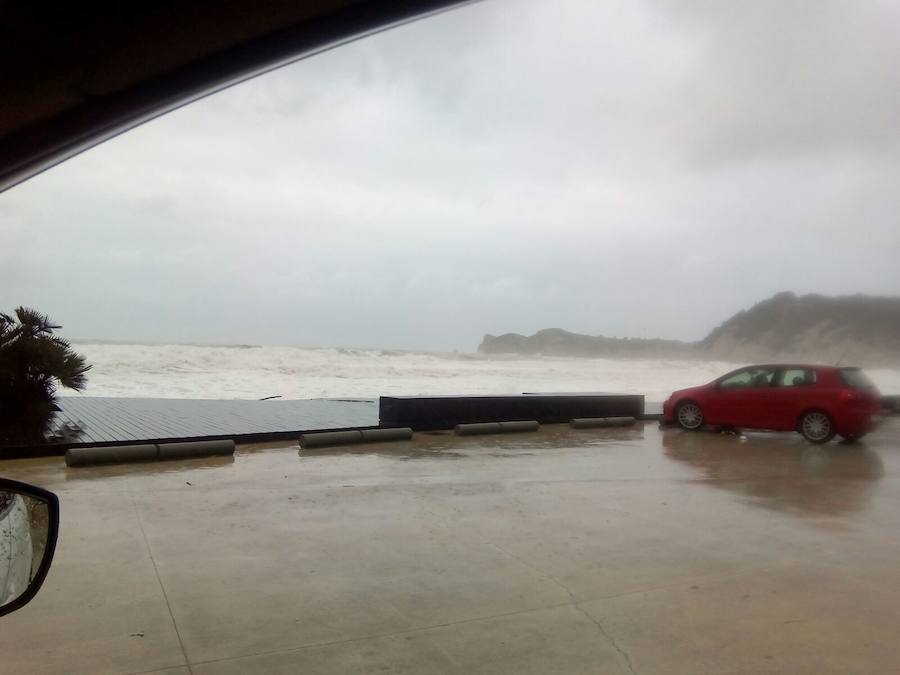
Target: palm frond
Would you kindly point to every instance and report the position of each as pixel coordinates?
(33, 363)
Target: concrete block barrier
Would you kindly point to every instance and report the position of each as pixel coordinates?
(478, 428)
(113, 454)
(324, 439)
(601, 422)
(196, 449)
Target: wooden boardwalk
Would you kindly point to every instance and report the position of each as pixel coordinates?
(110, 421)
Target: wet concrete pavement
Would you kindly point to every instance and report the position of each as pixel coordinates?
(596, 551)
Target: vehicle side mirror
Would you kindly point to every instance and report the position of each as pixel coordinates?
(29, 524)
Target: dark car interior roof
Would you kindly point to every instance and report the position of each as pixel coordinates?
(75, 74)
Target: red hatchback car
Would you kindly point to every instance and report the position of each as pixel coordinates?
(817, 401)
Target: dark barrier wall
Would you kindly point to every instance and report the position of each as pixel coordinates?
(445, 412)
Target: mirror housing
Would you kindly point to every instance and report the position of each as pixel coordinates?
(29, 525)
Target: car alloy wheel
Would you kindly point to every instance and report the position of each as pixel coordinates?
(816, 427)
(689, 416)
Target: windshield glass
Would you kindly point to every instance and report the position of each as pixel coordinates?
(367, 364)
(496, 215)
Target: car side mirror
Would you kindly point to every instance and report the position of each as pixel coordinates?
(29, 524)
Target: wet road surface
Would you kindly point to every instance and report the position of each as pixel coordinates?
(597, 551)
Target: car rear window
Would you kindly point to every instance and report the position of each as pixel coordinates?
(854, 377)
(797, 377)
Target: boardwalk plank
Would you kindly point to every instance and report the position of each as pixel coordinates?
(132, 420)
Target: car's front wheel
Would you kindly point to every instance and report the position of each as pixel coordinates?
(816, 426)
(689, 415)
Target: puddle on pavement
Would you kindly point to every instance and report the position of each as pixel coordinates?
(112, 471)
(780, 471)
(447, 445)
(396, 450)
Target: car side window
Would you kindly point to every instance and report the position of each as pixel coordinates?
(737, 381)
(748, 379)
(797, 377)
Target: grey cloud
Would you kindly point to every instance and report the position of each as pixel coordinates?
(622, 168)
(785, 78)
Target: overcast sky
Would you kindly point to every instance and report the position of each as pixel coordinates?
(620, 168)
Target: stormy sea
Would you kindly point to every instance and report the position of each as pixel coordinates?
(254, 372)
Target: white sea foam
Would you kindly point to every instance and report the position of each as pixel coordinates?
(189, 371)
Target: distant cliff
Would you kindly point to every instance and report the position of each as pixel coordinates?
(854, 329)
(849, 329)
(557, 342)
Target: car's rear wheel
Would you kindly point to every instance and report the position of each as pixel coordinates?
(689, 415)
(816, 426)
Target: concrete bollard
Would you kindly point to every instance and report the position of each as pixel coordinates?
(524, 425)
(326, 438)
(477, 428)
(601, 422)
(396, 434)
(113, 454)
(196, 449)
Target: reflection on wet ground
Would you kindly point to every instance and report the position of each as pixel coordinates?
(398, 450)
(447, 445)
(623, 551)
(147, 468)
(781, 471)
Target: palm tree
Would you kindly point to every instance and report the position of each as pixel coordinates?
(33, 362)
